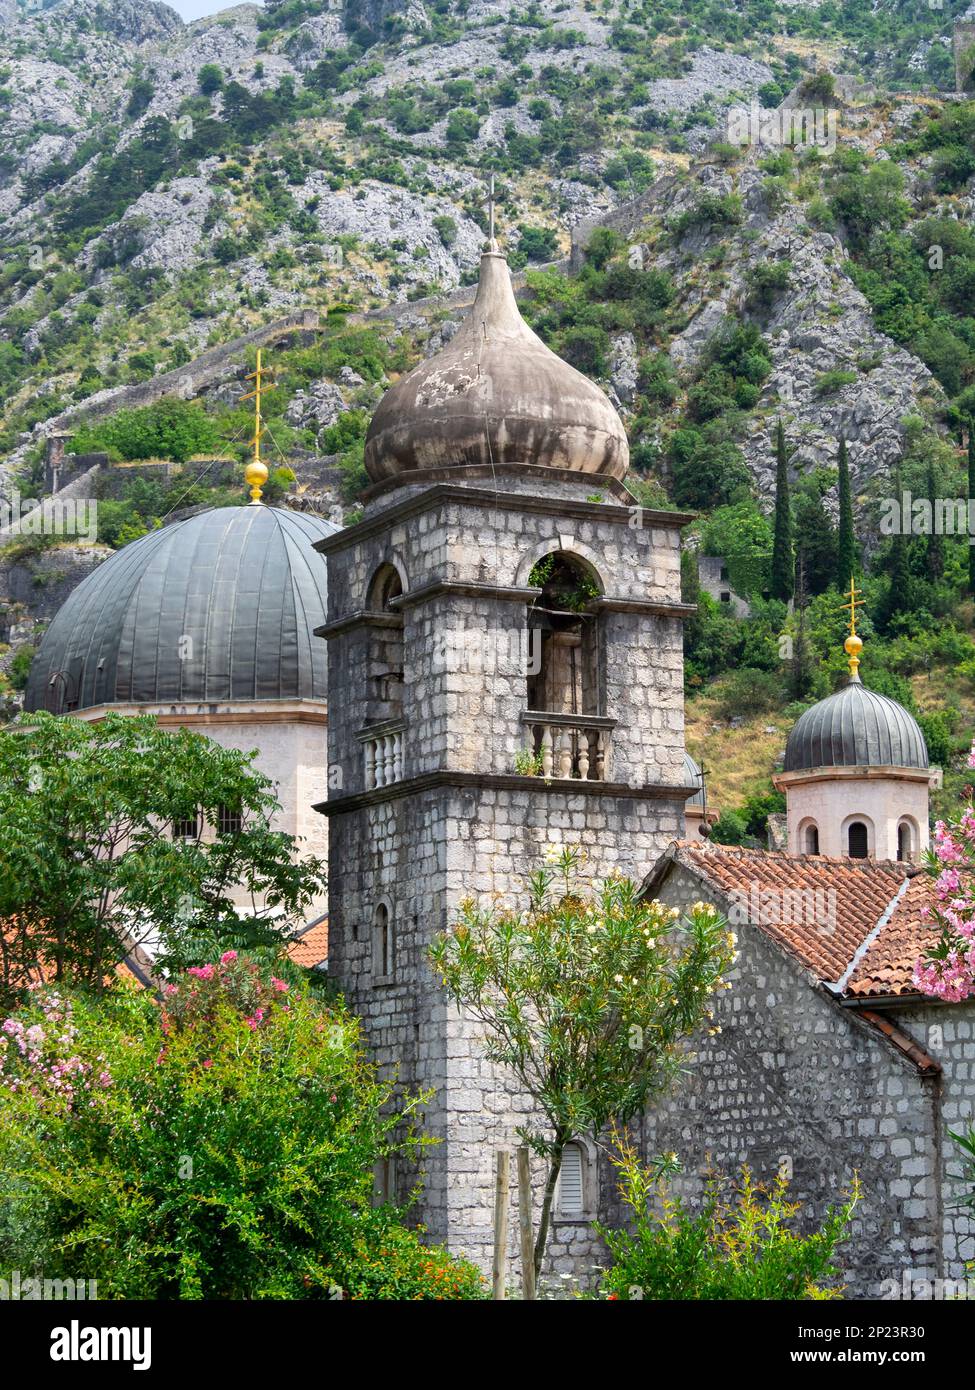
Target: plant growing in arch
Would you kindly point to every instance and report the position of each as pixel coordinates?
(585, 997)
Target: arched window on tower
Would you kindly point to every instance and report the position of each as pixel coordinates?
(383, 740)
(906, 841)
(810, 839)
(564, 703)
(383, 963)
(858, 840)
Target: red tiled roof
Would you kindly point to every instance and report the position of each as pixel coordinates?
(851, 921)
(887, 963)
(309, 947)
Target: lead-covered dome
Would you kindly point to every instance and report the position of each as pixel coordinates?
(219, 607)
(693, 778)
(495, 396)
(855, 728)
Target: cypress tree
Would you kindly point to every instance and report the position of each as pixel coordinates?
(847, 554)
(783, 557)
(935, 556)
(971, 498)
(900, 593)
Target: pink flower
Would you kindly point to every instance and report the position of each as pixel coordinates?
(281, 986)
(228, 957)
(202, 972)
(207, 1064)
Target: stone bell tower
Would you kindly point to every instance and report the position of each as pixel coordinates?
(505, 675)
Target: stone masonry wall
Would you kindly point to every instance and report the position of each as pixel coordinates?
(421, 851)
(795, 1078)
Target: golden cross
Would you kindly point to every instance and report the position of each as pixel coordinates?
(852, 604)
(256, 471)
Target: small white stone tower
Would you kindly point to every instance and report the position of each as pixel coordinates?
(856, 775)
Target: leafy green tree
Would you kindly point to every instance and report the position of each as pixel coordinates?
(586, 998)
(220, 1146)
(209, 79)
(783, 581)
(971, 499)
(847, 550)
(91, 866)
(169, 429)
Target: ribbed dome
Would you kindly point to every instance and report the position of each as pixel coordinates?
(692, 778)
(495, 395)
(855, 728)
(218, 607)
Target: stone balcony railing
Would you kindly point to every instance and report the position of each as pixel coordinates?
(571, 745)
(382, 747)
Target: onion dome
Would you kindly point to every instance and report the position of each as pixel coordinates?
(219, 607)
(495, 396)
(855, 728)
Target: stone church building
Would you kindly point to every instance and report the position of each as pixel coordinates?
(504, 676)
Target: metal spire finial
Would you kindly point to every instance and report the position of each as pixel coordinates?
(255, 474)
(853, 644)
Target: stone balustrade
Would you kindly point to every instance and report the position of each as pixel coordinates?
(383, 752)
(571, 745)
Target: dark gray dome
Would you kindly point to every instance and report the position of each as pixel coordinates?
(855, 728)
(692, 778)
(218, 607)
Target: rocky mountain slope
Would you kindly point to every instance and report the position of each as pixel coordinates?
(168, 189)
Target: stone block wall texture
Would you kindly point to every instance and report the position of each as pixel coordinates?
(423, 850)
(880, 802)
(793, 1077)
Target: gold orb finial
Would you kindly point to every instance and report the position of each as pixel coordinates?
(255, 476)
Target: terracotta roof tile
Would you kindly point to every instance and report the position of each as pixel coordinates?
(855, 921)
(309, 947)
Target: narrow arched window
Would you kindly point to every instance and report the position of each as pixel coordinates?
(383, 963)
(385, 670)
(857, 840)
(572, 1181)
(811, 843)
(905, 841)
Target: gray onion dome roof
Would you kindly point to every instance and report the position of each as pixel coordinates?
(495, 395)
(218, 607)
(856, 727)
(692, 778)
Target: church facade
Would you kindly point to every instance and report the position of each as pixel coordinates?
(504, 679)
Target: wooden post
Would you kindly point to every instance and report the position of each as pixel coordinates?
(501, 1189)
(525, 1225)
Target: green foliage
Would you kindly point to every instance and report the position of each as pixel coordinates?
(748, 692)
(783, 573)
(867, 201)
(741, 1245)
(585, 998)
(742, 536)
(219, 1147)
(847, 550)
(169, 429)
(87, 866)
(209, 79)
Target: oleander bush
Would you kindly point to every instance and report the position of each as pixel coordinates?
(219, 1145)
